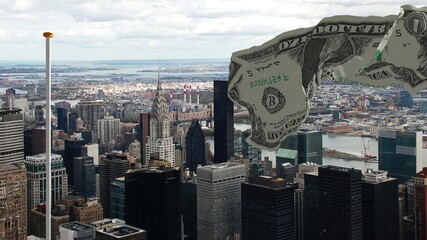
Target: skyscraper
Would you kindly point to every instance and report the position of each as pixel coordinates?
(11, 136)
(36, 179)
(90, 112)
(72, 125)
(108, 129)
(117, 190)
(159, 141)
(420, 184)
(10, 97)
(188, 203)
(73, 148)
(62, 114)
(223, 123)
(195, 146)
(84, 177)
(13, 195)
(268, 209)
(305, 146)
(113, 166)
(152, 202)
(144, 131)
(340, 203)
(380, 206)
(39, 140)
(39, 115)
(219, 200)
(311, 206)
(400, 153)
(310, 146)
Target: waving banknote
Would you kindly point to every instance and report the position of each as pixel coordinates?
(275, 81)
(402, 55)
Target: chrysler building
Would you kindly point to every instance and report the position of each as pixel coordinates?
(159, 141)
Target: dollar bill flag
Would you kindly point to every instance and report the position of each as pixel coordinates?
(401, 58)
(275, 81)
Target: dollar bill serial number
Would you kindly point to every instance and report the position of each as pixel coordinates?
(269, 80)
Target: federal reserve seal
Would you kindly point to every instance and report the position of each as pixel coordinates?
(273, 100)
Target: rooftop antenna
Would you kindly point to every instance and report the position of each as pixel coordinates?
(159, 87)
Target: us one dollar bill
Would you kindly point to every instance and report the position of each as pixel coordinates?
(275, 81)
(402, 55)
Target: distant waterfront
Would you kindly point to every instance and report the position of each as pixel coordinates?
(342, 143)
(17, 91)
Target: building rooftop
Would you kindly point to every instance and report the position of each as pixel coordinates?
(9, 111)
(8, 167)
(121, 231)
(270, 182)
(76, 226)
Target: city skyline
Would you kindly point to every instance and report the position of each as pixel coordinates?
(108, 30)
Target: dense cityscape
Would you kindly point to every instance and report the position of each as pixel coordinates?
(157, 150)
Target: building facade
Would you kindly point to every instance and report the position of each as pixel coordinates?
(11, 136)
(84, 177)
(36, 180)
(113, 166)
(117, 190)
(420, 208)
(90, 112)
(400, 153)
(268, 209)
(380, 206)
(340, 203)
(223, 123)
(13, 201)
(62, 115)
(73, 148)
(152, 202)
(144, 131)
(195, 146)
(219, 200)
(108, 129)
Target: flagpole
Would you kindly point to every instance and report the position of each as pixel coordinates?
(48, 36)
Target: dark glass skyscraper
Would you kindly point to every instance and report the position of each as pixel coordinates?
(195, 146)
(223, 123)
(84, 176)
(72, 118)
(117, 190)
(152, 202)
(73, 148)
(310, 147)
(268, 209)
(144, 131)
(340, 203)
(110, 168)
(400, 153)
(380, 206)
(62, 115)
(311, 206)
(305, 146)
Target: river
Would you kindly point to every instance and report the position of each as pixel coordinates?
(342, 143)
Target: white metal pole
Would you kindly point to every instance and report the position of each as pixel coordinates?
(48, 36)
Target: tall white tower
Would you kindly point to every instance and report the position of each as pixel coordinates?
(159, 141)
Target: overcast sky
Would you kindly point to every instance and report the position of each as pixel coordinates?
(165, 29)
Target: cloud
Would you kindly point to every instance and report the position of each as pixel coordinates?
(112, 29)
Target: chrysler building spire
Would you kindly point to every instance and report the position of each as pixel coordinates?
(159, 141)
